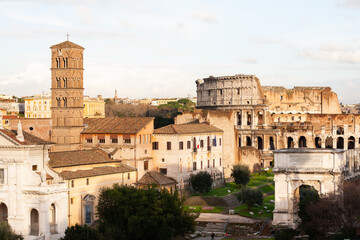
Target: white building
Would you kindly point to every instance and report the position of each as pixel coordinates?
(180, 150)
(33, 199)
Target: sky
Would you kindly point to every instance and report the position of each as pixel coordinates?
(159, 48)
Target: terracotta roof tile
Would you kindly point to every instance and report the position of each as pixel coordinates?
(79, 157)
(156, 178)
(187, 129)
(66, 44)
(125, 125)
(29, 138)
(97, 171)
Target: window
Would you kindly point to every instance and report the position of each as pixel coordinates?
(188, 144)
(281, 98)
(114, 138)
(139, 138)
(128, 175)
(238, 91)
(87, 181)
(146, 165)
(65, 82)
(163, 171)
(65, 101)
(72, 183)
(168, 145)
(89, 208)
(72, 200)
(127, 138)
(201, 143)
(194, 166)
(219, 141)
(101, 138)
(220, 162)
(209, 92)
(213, 162)
(58, 83)
(208, 163)
(155, 145)
(163, 160)
(34, 167)
(58, 102)
(201, 164)
(181, 145)
(221, 91)
(88, 138)
(2, 176)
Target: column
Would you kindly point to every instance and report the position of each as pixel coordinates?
(252, 118)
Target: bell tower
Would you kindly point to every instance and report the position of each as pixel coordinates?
(66, 95)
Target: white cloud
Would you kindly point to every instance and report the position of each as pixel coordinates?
(333, 53)
(86, 15)
(249, 60)
(208, 17)
(349, 3)
(37, 19)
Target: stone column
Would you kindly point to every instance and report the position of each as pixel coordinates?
(323, 140)
(264, 116)
(252, 118)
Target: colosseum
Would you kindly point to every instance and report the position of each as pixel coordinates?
(259, 119)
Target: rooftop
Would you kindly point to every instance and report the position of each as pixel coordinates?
(187, 129)
(66, 44)
(156, 178)
(79, 157)
(29, 139)
(125, 125)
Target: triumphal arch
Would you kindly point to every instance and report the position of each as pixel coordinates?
(321, 169)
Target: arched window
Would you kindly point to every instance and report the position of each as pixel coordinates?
(3, 213)
(351, 143)
(52, 219)
(65, 82)
(248, 141)
(58, 102)
(208, 143)
(260, 143)
(89, 209)
(302, 142)
(318, 142)
(329, 142)
(239, 119)
(194, 144)
(271, 142)
(260, 118)
(34, 222)
(57, 62)
(340, 131)
(58, 82)
(65, 101)
(340, 143)
(290, 142)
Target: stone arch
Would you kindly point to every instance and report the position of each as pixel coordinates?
(318, 142)
(3, 212)
(34, 222)
(296, 193)
(340, 143)
(271, 143)
(248, 141)
(88, 204)
(260, 143)
(260, 118)
(340, 131)
(351, 142)
(329, 142)
(52, 219)
(290, 142)
(302, 142)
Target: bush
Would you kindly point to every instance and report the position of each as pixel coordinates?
(241, 174)
(7, 233)
(286, 234)
(81, 233)
(250, 196)
(201, 182)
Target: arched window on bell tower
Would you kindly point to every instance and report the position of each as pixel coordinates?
(65, 82)
(58, 102)
(58, 82)
(66, 62)
(65, 101)
(57, 62)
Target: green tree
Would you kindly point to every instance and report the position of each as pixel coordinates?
(131, 213)
(241, 174)
(81, 233)
(201, 182)
(250, 196)
(7, 233)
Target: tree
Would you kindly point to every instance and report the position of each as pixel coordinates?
(7, 233)
(201, 182)
(131, 213)
(250, 196)
(81, 233)
(241, 174)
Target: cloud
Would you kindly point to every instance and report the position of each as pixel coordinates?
(349, 3)
(265, 41)
(86, 15)
(207, 17)
(37, 19)
(248, 60)
(333, 53)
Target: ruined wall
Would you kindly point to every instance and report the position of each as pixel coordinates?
(301, 100)
(249, 156)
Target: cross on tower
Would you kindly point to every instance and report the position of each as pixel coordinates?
(67, 36)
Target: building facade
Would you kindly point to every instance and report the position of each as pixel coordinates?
(94, 107)
(38, 106)
(33, 197)
(180, 150)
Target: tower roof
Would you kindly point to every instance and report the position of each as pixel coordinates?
(66, 44)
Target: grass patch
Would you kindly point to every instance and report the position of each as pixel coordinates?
(222, 191)
(198, 209)
(244, 211)
(267, 188)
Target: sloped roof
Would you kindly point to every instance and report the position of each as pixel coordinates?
(97, 171)
(79, 157)
(29, 139)
(156, 178)
(66, 44)
(118, 125)
(187, 129)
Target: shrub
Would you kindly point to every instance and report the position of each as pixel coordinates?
(250, 196)
(241, 174)
(7, 233)
(286, 234)
(81, 233)
(201, 182)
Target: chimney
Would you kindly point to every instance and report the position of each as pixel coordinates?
(20, 135)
